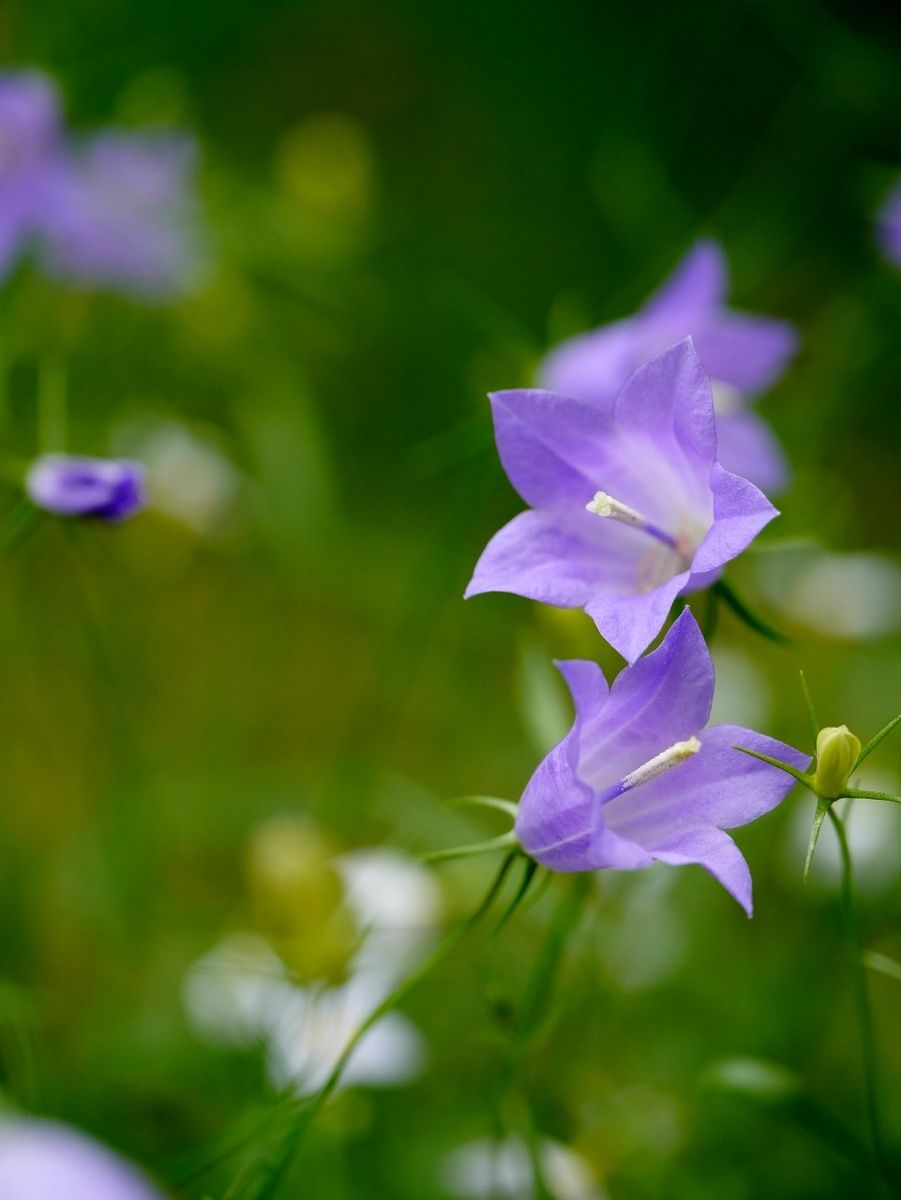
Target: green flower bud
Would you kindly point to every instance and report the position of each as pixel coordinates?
(837, 752)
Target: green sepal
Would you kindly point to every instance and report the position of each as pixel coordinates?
(807, 780)
(506, 841)
(875, 740)
(819, 818)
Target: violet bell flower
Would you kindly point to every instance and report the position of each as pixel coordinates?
(638, 778)
(30, 145)
(39, 1159)
(888, 225)
(629, 509)
(743, 355)
(123, 214)
(71, 486)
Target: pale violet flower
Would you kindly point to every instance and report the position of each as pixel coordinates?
(74, 486)
(44, 1160)
(888, 225)
(629, 508)
(743, 355)
(640, 778)
(30, 146)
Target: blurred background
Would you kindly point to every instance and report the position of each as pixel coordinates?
(402, 205)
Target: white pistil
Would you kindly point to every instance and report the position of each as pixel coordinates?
(676, 754)
(605, 506)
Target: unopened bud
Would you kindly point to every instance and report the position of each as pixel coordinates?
(837, 752)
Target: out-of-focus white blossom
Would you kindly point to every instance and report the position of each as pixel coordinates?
(502, 1170)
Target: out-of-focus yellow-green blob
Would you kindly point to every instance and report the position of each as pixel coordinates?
(298, 898)
(325, 173)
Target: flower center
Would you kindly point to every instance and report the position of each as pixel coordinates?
(658, 765)
(604, 505)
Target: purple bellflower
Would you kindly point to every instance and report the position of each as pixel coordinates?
(122, 215)
(743, 355)
(39, 1159)
(30, 142)
(638, 778)
(667, 520)
(71, 486)
(888, 225)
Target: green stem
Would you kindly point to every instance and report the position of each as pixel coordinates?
(732, 599)
(533, 1009)
(862, 1003)
(400, 993)
(52, 404)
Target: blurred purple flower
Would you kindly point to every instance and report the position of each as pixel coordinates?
(108, 488)
(121, 214)
(669, 519)
(888, 225)
(30, 143)
(743, 355)
(41, 1159)
(638, 779)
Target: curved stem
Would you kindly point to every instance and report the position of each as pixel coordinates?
(391, 1001)
(862, 1004)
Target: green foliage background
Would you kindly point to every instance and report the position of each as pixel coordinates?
(406, 203)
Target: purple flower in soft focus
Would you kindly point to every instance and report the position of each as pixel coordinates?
(638, 778)
(668, 517)
(888, 225)
(108, 488)
(122, 214)
(42, 1159)
(743, 355)
(30, 140)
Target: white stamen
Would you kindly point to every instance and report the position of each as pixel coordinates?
(676, 754)
(606, 506)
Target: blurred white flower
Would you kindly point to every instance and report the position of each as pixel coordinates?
(240, 993)
(188, 476)
(840, 595)
(491, 1170)
(742, 695)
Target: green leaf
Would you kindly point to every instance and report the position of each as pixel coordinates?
(506, 841)
(819, 818)
(504, 806)
(744, 613)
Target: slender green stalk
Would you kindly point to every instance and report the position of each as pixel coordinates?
(862, 1004)
(533, 1009)
(52, 404)
(306, 1117)
(753, 620)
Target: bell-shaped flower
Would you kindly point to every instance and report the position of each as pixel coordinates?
(743, 354)
(888, 225)
(629, 509)
(30, 148)
(107, 488)
(639, 778)
(122, 214)
(41, 1158)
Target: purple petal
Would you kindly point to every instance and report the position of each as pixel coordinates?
(663, 698)
(562, 558)
(746, 446)
(716, 852)
(557, 815)
(697, 286)
(746, 351)
(740, 511)
(40, 1159)
(888, 225)
(717, 786)
(549, 445)
(631, 622)
(668, 403)
(594, 365)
